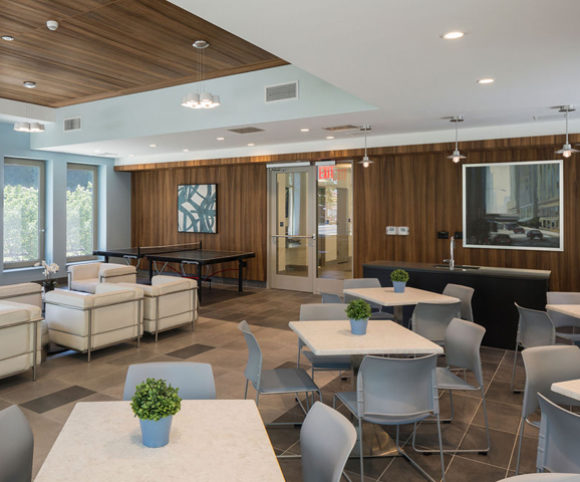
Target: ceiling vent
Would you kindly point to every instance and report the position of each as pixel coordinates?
(275, 93)
(246, 130)
(72, 124)
(347, 127)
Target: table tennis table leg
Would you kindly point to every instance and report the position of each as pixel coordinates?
(150, 271)
(241, 265)
(199, 282)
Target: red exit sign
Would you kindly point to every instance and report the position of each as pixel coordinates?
(325, 172)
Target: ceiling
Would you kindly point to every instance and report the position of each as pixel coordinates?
(106, 48)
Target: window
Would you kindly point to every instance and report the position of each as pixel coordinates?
(81, 211)
(24, 212)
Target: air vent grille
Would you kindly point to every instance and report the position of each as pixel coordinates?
(72, 124)
(275, 93)
(346, 127)
(246, 130)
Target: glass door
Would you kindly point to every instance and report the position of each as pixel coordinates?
(310, 227)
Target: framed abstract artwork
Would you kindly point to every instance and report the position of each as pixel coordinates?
(197, 208)
(513, 205)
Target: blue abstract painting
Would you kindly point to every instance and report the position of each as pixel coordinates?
(197, 208)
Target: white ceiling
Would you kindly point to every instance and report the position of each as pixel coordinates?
(389, 54)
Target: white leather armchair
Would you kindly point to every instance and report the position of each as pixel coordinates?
(19, 334)
(86, 322)
(169, 302)
(85, 277)
(28, 294)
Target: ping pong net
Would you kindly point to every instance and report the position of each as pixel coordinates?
(170, 248)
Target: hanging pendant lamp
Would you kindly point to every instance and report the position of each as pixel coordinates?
(365, 161)
(456, 156)
(567, 149)
(201, 99)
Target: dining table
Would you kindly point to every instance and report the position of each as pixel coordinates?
(386, 296)
(210, 440)
(568, 388)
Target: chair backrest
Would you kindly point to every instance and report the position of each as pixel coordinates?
(359, 283)
(545, 365)
(330, 298)
(462, 345)
(16, 446)
(326, 440)
(194, 380)
(253, 371)
(559, 443)
(563, 298)
(431, 319)
(397, 387)
(464, 293)
(535, 328)
(323, 311)
(543, 477)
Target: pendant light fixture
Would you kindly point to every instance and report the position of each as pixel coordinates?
(201, 99)
(456, 156)
(28, 126)
(365, 161)
(567, 150)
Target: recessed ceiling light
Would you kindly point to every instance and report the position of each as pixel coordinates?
(329, 138)
(185, 150)
(251, 144)
(152, 145)
(453, 35)
(219, 138)
(8, 38)
(131, 155)
(486, 80)
(29, 84)
(305, 129)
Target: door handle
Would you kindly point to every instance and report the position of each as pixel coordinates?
(313, 236)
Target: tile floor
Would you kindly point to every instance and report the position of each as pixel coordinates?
(66, 378)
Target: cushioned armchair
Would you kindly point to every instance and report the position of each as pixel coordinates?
(87, 322)
(85, 277)
(169, 302)
(19, 334)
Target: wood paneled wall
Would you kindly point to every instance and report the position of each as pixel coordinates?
(241, 211)
(413, 186)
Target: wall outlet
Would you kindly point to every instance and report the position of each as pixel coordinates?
(403, 230)
(391, 230)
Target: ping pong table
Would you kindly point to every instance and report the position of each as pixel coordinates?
(182, 254)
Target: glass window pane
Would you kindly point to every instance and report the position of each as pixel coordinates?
(80, 211)
(23, 212)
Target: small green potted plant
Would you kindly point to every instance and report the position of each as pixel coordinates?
(399, 277)
(358, 311)
(155, 402)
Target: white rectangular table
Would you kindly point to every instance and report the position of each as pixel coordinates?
(211, 440)
(570, 310)
(570, 388)
(388, 297)
(383, 337)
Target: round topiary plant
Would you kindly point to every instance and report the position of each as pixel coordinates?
(358, 310)
(400, 275)
(154, 399)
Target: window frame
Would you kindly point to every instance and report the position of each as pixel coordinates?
(15, 161)
(95, 169)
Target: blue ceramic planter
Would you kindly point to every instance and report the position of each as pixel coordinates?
(399, 286)
(358, 327)
(156, 432)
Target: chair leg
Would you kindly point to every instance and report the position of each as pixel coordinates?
(360, 449)
(514, 371)
(246, 392)
(441, 449)
(484, 407)
(520, 438)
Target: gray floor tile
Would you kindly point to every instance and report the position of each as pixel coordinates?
(56, 399)
(190, 351)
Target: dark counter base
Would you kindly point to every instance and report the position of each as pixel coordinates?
(493, 300)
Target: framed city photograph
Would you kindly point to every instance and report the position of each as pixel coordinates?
(513, 205)
(197, 208)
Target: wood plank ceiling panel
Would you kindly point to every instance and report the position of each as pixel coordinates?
(108, 48)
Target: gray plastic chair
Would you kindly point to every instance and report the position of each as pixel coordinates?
(544, 477)
(431, 319)
(462, 345)
(378, 311)
(559, 441)
(326, 440)
(277, 381)
(330, 298)
(395, 391)
(545, 365)
(535, 328)
(561, 320)
(323, 311)
(465, 294)
(194, 380)
(16, 446)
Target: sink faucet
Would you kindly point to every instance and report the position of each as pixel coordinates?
(451, 259)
